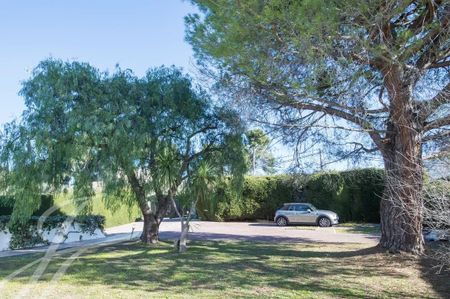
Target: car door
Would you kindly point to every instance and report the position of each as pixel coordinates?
(304, 214)
(291, 214)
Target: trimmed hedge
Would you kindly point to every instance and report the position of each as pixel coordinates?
(354, 195)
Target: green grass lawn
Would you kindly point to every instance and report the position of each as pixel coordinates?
(358, 228)
(225, 270)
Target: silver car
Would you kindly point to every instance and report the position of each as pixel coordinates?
(304, 213)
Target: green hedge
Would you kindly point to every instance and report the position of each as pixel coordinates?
(354, 195)
(7, 203)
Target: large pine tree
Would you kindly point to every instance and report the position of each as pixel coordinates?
(377, 68)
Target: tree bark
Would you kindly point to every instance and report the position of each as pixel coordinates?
(401, 205)
(401, 209)
(153, 218)
(150, 232)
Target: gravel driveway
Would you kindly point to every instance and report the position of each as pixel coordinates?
(252, 231)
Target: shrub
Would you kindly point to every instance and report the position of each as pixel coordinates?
(26, 234)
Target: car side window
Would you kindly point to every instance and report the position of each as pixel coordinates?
(301, 208)
(292, 208)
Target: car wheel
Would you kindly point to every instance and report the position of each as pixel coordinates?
(281, 221)
(324, 222)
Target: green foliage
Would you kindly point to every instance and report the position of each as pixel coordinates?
(116, 211)
(199, 189)
(258, 199)
(304, 64)
(260, 157)
(25, 234)
(354, 195)
(141, 137)
(7, 204)
(257, 138)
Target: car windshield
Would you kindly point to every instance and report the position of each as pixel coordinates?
(312, 207)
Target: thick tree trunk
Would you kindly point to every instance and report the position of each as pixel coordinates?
(152, 216)
(401, 205)
(150, 232)
(152, 219)
(401, 209)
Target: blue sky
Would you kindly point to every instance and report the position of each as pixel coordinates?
(136, 34)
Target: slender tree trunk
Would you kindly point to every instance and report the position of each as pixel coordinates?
(184, 234)
(254, 161)
(150, 232)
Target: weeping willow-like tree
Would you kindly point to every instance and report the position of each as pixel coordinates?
(142, 138)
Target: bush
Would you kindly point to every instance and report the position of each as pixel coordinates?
(26, 234)
(354, 195)
(121, 214)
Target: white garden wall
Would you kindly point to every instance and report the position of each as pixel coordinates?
(5, 237)
(70, 233)
(67, 233)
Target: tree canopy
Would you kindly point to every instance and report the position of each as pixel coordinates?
(323, 64)
(142, 138)
(257, 142)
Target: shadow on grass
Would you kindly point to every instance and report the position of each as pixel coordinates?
(362, 228)
(270, 238)
(436, 276)
(223, 266)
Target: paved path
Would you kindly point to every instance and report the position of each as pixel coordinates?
(219, 231)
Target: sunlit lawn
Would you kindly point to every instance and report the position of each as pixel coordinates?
(225, 270)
